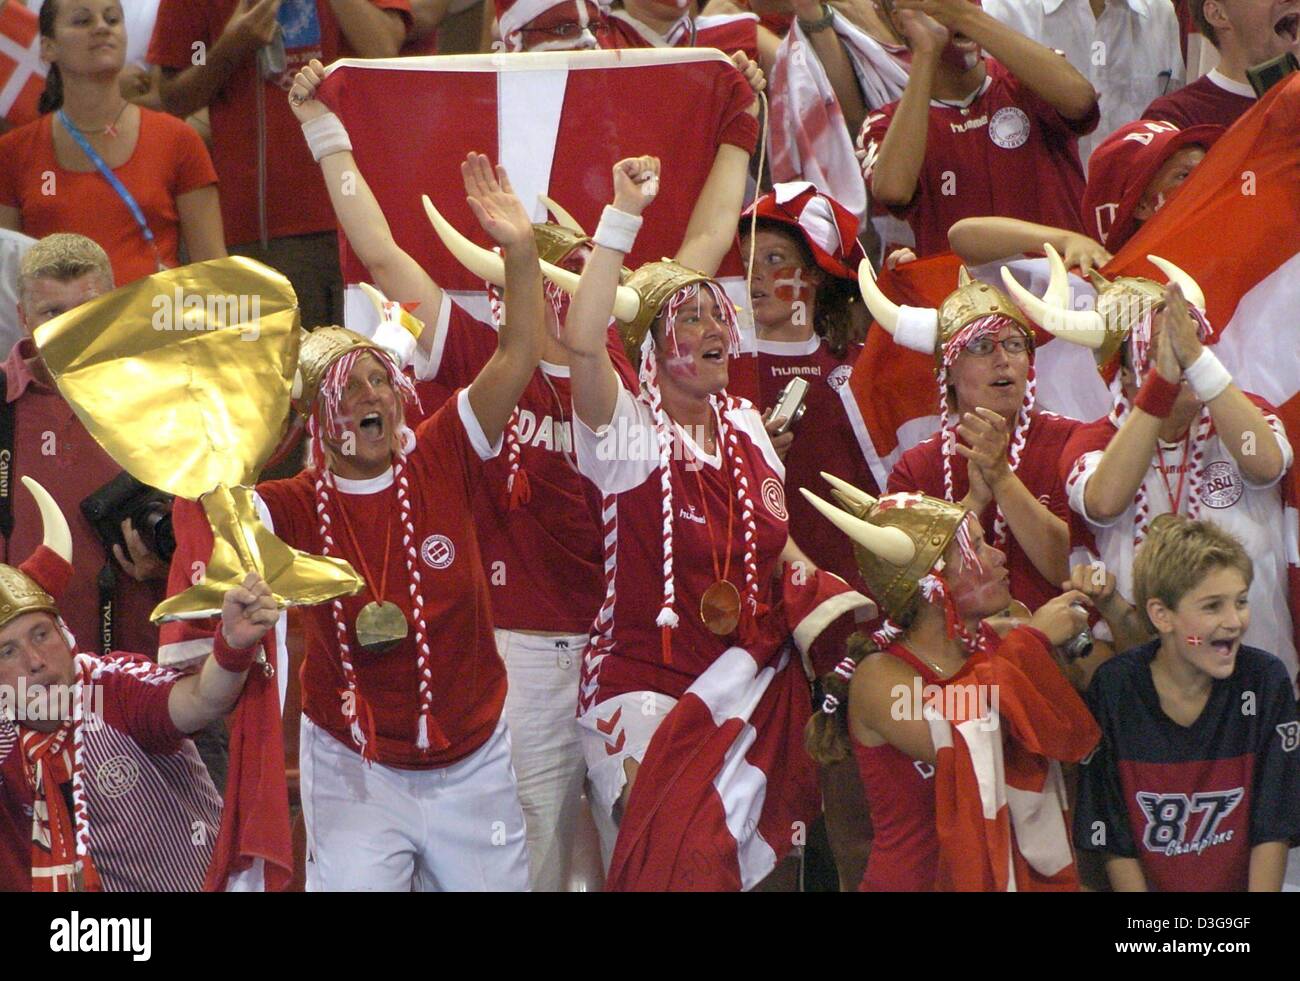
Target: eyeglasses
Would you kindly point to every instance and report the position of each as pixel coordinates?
(982, 347)
(566, 29)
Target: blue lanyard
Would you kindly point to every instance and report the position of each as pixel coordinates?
(114, 182)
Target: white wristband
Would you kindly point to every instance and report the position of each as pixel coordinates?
(617, 229)
(325, 135)
(1207, 376)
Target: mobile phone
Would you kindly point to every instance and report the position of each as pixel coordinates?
(789, 406)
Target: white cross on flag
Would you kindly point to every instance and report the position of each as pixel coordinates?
(22, 73)
(558, 122)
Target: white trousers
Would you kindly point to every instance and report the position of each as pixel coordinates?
(541, 702)
(614, 731)
(377, 828)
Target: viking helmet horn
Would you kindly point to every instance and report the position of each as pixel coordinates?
(486, 265)
(890, 544)
(1191, 289)
(626, 302)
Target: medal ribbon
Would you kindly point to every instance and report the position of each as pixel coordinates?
(1175, 502)
(361, 556)
(725, 572)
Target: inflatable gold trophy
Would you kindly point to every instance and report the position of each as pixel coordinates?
(184, 378)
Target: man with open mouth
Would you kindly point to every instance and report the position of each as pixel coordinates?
(1188, 791)
(1245, 33)
(976, 135)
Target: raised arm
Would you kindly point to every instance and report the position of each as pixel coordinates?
(593, 379)
(902, 152)
(712, 228)
(1039, 68)
(522, 338)
(1241, 426)
(828, 47)
(371, 31)
(1127, 458)
(186, 91)
(247, 613)
(394, 271)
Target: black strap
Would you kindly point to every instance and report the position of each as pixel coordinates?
(8, 472)
(107, 584)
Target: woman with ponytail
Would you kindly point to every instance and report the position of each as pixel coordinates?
(937, 579)
(138, 182)
(696, 541)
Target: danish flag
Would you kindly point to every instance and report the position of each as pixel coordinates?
(22, 73)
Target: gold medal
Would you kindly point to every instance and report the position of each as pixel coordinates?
(720, 608)
(380, 626)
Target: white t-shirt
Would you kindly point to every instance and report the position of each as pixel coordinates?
(1252, 513)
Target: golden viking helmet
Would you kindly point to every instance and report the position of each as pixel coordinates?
(639, 298)
(319, 349)
(29, 588)
(1121, 303)
(897, 539)
(930, 331)
(555, 240)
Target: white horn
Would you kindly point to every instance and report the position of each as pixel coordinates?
(57, 537)
(1191, 289)
(562, 217)
(890, 544)
(626, 302)
(1058, 286)
(851, 493)
(478, 260)
(375, 297)
(916, 328)
(1083, 327)
(296, 391)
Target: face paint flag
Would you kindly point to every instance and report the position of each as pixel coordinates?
(1232, 227)
(558, 122)
(22, 73)
(1194, 640)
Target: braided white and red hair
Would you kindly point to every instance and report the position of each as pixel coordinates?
(328, 417)
(1141, 360)
(988, 326)
(668, 619)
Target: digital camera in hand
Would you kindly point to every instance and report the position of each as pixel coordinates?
(149, 509)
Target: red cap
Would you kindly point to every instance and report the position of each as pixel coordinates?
(828, 228)
(1123, 166)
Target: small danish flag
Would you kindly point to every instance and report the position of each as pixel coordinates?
(22, 73)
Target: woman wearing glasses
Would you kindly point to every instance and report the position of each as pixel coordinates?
(995, 452)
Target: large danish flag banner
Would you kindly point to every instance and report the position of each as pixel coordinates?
(557, 121)
(22, 73)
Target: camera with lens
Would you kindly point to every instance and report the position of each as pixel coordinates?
(1080, 645)
(149, 509)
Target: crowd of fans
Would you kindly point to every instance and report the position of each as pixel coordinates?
(1119, 584)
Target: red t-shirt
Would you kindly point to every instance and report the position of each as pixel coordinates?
(1204, 101)
(900, 796)
(296, 200)
(544, 560)
(823, 440)
(921, 469)
(623, 461)
(726, 32)
(469, 681)
(53, 448)
(169, 160)
(1008, 153)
